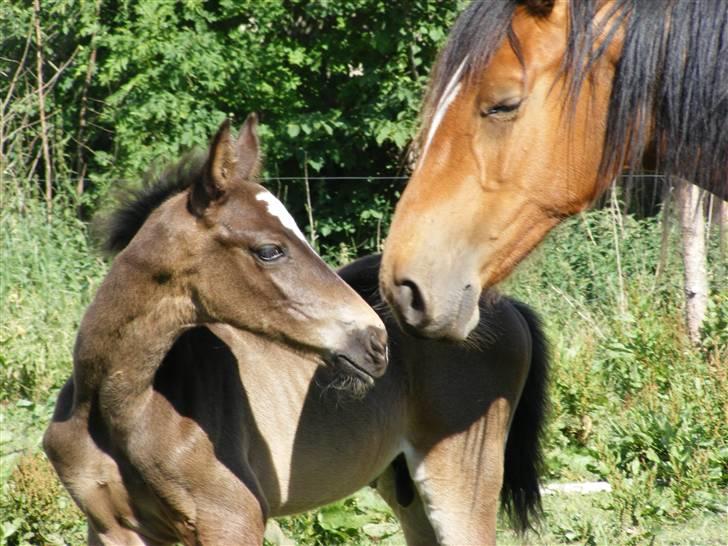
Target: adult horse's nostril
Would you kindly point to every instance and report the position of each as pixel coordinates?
(410, 302)
(416, 301)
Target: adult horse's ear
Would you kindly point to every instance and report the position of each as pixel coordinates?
(248, 149)
(218, 172)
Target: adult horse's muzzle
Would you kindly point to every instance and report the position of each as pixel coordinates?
(365, 355)
(422, 314)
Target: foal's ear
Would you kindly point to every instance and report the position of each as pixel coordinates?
(248, 149)
(218, 171)
(228, 163)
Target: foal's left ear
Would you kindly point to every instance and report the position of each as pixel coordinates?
(228, 163)
(248, 149)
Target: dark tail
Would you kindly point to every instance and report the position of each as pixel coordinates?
(520, 495)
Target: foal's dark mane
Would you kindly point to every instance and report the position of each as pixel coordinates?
(672, 76)
(136, 205)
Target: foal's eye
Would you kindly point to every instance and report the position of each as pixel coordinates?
(269, 253)
(505, 107)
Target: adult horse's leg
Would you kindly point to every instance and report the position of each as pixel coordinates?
(462, 403)
(410, 511)
(459, 480)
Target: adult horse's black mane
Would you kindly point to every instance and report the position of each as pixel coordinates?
(672, 76)
(136, 205)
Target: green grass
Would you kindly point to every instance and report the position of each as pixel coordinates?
(589, 519)
(633, 402)
(48, 275)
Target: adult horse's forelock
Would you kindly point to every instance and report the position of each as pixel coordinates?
(476, 35)
(478, 32)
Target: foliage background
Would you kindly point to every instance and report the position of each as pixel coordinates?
(128, 86)
(131, 85)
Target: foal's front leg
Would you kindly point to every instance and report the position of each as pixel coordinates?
(459, 479)
(212, 501)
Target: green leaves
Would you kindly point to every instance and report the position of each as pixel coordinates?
(339, 83)
(363, 516)
(293, 130)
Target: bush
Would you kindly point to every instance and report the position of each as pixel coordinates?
(36, 509)
(634, 402)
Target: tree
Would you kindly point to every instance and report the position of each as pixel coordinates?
(690, 202)
(337, 86)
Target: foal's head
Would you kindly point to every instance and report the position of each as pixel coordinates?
(229, 246)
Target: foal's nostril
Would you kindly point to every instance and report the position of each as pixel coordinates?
(377, 340)
(375, 343)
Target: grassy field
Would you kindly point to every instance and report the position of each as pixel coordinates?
(633, 403)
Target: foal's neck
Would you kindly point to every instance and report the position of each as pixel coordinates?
(132, 323)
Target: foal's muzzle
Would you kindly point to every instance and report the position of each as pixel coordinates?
(365, 355)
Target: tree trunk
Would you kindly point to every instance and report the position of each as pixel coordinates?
(723, 229)
(690, 200)
(81, 164)
(42, 108)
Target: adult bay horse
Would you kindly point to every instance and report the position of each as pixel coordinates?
(199, 406)
(533, 108)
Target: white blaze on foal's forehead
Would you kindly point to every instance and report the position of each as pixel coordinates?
(276, 208)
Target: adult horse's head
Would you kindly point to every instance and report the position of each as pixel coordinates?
(534, 107)
(228, 246)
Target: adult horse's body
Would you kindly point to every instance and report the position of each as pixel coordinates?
(199, 407)
(534, 107)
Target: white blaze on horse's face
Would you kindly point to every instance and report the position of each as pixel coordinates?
(276, 208)
(451, 91)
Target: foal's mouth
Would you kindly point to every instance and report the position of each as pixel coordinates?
(346, 364)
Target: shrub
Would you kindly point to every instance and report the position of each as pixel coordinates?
(36, 509)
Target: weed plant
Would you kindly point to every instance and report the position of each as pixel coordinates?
(633, 402)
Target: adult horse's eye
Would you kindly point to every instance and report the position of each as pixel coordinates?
(269, 253)
(503, 108)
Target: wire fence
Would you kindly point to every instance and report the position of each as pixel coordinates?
(303, 178)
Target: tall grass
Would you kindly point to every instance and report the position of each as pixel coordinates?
(633, 401)
(47, 277)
